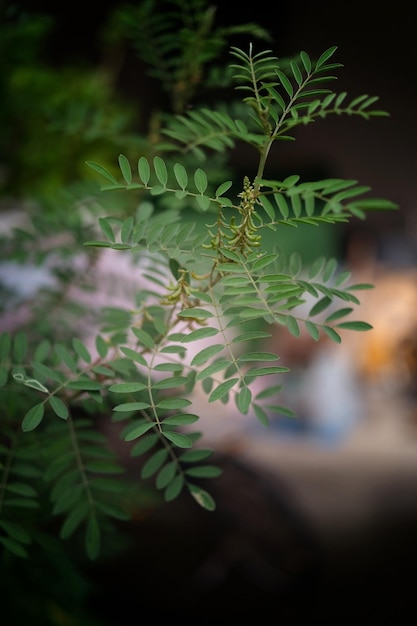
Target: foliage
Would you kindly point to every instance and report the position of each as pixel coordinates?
(215, 286)
(52, 116)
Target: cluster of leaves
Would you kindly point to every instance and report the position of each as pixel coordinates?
(216, 288)
(70, 112)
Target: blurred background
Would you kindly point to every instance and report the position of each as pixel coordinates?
(317, 515)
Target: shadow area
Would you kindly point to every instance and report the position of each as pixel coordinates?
(257, 559)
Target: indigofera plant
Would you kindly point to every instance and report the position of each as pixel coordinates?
(216, 285)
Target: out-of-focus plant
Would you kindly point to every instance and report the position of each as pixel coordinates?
(52, 118)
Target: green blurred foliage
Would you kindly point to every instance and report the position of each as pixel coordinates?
(53, 118)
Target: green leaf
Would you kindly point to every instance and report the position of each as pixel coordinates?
(109, 485)
(282, 205)
(174, 266)
(221, 189)
(285, 82)
(166, 475)
(68, 479)
(85, 385)
(168, 367)
(181, 418)
(154, 463)
(202, 497)
(65, 357)
(266, 371)
(131, 406)
(125, 168)
(338, 314)
(81, 350)
(171, 383)
(331, 267)
(107, 229)
(372, 204)
(181, 175)
(320, 306)
(14, 547)
(215, 367)
(229, 254)
(139, 430)
(250, 336)
(204, 471)
(231, 267)
(325, 56)
(310, 204)
(200, 180)
(203, 202)
(332, 334)
(312, 330)
(92, 537)
(174, 350)
(97, 244)
(127, 387)
(265, 260)
(178, 439)
(259, 356)
(112, 510)
(261, 415)
(306, 61)
(103, 371)
(295, 264)
(67, 499)
(20, 346)
(160, 170)
(200, 333)
(46, 372)
(222, 389)
(192, 456)
(144, 170)
(15, 531)
(195, 312)
(206, 353)
(144, 337)
(33, 417)
(21, 489)
(61, 463)
(102, 346)
(121, 246)
(4, 375)
(243, 400)
(73, 520)
(24, 503)
(126, 230)
(292, 325)
(173, 403)
(269, 391)
(361, 326)
(296, 204)
(296, 72)
(58, 407)
(101, 170)
(317, 267)
(133, 355)
(174, 489)
(5, 346)
(144, 444)
(267, 205)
